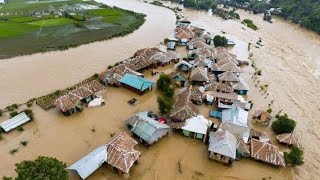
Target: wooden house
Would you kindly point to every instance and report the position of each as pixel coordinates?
(199, 75)
(178, 78)
(288, 139)
(183, 66)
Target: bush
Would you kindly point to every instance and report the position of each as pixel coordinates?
(220, 41)
(24, 143)
(29, 113)
(1, 137)
(41, 168)
(283, 124)
(169, 92)
(13, 151)
(20, 128)
(13, 114)
(295, 157)
(7, 178)
(250, 24)
(1, 112)
(269, 110)
(164, 104)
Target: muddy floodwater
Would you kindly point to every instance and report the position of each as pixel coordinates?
(289, 60)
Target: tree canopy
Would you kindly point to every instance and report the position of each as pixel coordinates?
(283, 124)
(295, 157)
(164, 104)
(42, 168)
(220, 41)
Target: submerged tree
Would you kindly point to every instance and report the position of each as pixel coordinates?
(47, 168)
(283, 124)
(295, 157)
(164, 104)
(220, 41)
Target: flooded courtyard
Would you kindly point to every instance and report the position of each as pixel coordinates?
(290, 66)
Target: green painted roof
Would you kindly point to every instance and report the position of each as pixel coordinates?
(136, 82)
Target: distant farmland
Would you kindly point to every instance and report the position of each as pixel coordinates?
(27, 27)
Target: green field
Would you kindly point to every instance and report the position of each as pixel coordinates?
(27, 28)
(52, 22)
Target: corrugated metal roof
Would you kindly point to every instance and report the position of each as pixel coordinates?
(90, 163)
(197, 124)
(146, 126)
(236, 116)
(14, 122)
(223, 142)
(136, 82)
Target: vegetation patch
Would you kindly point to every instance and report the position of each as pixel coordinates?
(250, 24)
(283, 124)
(295, 157)
(27, 28)
(220, 41)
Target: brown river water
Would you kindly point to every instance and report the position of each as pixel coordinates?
(289, 59)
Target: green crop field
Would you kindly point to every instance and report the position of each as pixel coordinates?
(52, 22)
(28, 27)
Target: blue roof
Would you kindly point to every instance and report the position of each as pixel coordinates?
(145, 126)
(136, 82)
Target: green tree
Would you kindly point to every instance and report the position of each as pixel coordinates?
(220, 41)
(164, 104)
(163, 82)
(42, 168)
(295, 157)
(283, 124)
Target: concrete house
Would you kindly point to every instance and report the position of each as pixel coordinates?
(196, 127)
(222, 147)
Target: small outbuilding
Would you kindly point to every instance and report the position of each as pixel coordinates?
(178, 79)
(289, 139)
(146, 128)
(197, 127)
(222, 147)
(14, 122)
(136, 84)
(262, 117)
(90, 163)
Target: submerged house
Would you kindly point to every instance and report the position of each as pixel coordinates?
(266, 152)
(136, 84)
(241, 87)
(262, 117)
(183, 109)
(72, 101)
(183, 66)
(289, 139)
(90, 163)
(236, 116)
(199, 75)
(14, 122)
(196, 127)
(146, 128)
(121, 154)
(178, 78)
(228, 76)
(222, 147)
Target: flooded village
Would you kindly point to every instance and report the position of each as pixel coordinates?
(110, 127)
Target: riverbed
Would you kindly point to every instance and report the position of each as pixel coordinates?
(289, 63)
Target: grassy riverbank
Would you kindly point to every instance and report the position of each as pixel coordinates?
(30, 27)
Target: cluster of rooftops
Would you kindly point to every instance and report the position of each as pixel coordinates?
(209, 75)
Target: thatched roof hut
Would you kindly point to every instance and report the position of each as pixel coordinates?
(288, 138)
